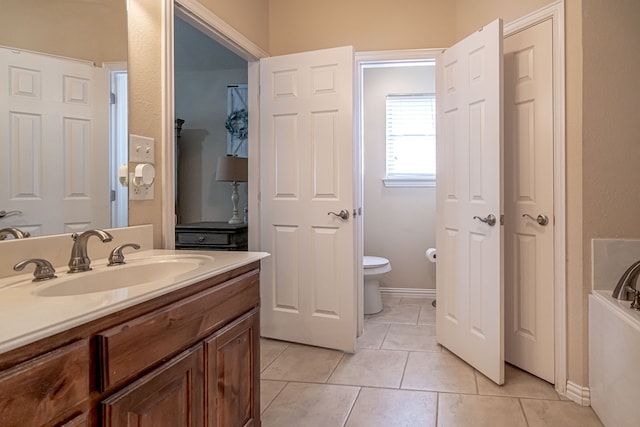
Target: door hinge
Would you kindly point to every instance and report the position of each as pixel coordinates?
(112, 98)
(113, 195)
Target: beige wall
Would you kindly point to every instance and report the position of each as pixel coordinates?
(399, 223)
(473, 14)
(297, 26)
(146, 21)
(611, 123)
(577, 332)
(250, 17)
(93, 31)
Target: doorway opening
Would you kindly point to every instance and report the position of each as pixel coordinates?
(118, 142)
(398, 215)
(209, 90)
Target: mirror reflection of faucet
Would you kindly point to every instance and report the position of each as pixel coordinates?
(15, 232)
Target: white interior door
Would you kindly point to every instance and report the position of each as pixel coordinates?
(54, 116)
(529, 251)
(470, 319)
(306, 149)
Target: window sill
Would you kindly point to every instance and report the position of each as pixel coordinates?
(408, 182)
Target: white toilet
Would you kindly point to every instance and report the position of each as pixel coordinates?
(374, 266)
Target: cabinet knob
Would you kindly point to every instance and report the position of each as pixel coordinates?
(200, 238)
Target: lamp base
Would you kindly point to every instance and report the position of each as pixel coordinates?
(235, 218)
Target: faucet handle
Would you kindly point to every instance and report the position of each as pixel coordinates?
(44, 270)
(635, 303)
(116, 257)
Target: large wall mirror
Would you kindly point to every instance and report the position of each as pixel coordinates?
(62, 131)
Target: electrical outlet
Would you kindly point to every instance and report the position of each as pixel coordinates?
(141, 149)
(140, 192)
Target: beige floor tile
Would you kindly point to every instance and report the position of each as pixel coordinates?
(464, 410)
(546, 413)
(390, 299)
(310, 405)
(441, 371)
(411, 338)
(373, 335)
(303, 363)
(373, 368)
(391, 408)
(427, 314)
(269, 350)
(268, 391)
(396, 313)
(517, 384)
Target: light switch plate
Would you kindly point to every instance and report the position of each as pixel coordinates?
(141, 149)
(140, 192)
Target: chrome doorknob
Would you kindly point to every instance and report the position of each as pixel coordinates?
(540, 219)
(343, 214)
(489, 220)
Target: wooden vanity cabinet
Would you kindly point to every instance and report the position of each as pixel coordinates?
(214, 383)
(189, 358)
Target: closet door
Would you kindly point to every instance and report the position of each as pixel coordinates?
(469, 279)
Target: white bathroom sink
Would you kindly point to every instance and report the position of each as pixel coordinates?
(134, 273)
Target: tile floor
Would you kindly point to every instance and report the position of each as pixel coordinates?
(400, 376)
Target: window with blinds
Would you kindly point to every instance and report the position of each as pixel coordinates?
(411, 140)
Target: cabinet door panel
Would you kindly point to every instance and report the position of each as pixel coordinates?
(170, 396)
(233, 366)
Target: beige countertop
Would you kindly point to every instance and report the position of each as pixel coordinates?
(26, 316)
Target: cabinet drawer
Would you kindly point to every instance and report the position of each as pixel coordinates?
(132, 347)
(203, 238)
(46, 388)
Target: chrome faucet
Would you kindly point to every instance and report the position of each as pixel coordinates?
(626, 289)
(44, 270)
(116, 257)
(79, 259)
(15, 232)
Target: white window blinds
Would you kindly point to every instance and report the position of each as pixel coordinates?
(411, 137)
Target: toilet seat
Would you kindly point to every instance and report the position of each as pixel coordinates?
(374, 261)
(375, 265)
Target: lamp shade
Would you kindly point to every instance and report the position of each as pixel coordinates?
(232, 169)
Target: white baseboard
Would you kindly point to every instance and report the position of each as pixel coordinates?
(577, 393)
(408, 292)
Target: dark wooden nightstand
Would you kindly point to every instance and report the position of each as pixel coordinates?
(212, 235)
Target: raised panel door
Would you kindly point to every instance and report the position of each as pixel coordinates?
(172, 395)
(232, 371)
